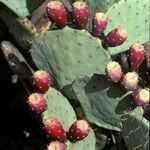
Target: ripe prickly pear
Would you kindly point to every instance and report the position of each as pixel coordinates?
(37, 102)
(130, 81)
(136, 55)
(116, 37)
(42, 81)
(78, 130)
(57, 13)
(80, 11)
(99, 23)
(56, 145)
(114, 71)
(54, 129)
(142, 97)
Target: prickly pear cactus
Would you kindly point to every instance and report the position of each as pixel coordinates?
(94, 6)
(135, 131)
(20, 7)
(102, 101)
(69, 54)
(98, 6)
(17, 25)
(77, 63)
(138, 14)
(89, 142)
(56, 102)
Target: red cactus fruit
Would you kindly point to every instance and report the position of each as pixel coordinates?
(54, 129)
(56, 145)
(80, 12)
(116, 37)
(136, 55)
(99, 23)
(78, 130)
(37, 102)
(57, 13)
(42, 81)
(142, 97)
(114, 71)
(130, 81)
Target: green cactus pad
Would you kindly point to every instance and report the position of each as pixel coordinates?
(22, 29)
(103, 102)
(88, 143)
(135, 131)
(131, 15)
(69, 54)
(59, 107)
(22, 7)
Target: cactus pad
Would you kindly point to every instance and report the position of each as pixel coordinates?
(69, 54)
(131, 15)
(135, 131)
(22, 7)
(22, 29)
(59, 107)
(103, 102)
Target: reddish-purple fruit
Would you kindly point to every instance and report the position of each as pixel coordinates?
(37, 102)
(100, 22)
(42, 81)
(116, 37)
(130, 80)
(114, 71)
(78, 130)
(54, 129)
(136, 55)
(57, 13)
(142, 97)
(80, 12)
(56, 145)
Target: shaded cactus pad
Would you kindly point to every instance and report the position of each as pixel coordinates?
(103, 102)
(135, 131)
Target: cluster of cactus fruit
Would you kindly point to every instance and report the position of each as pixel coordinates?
(53, 127)
(80, 10)
(62, 71)
(130, 80)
